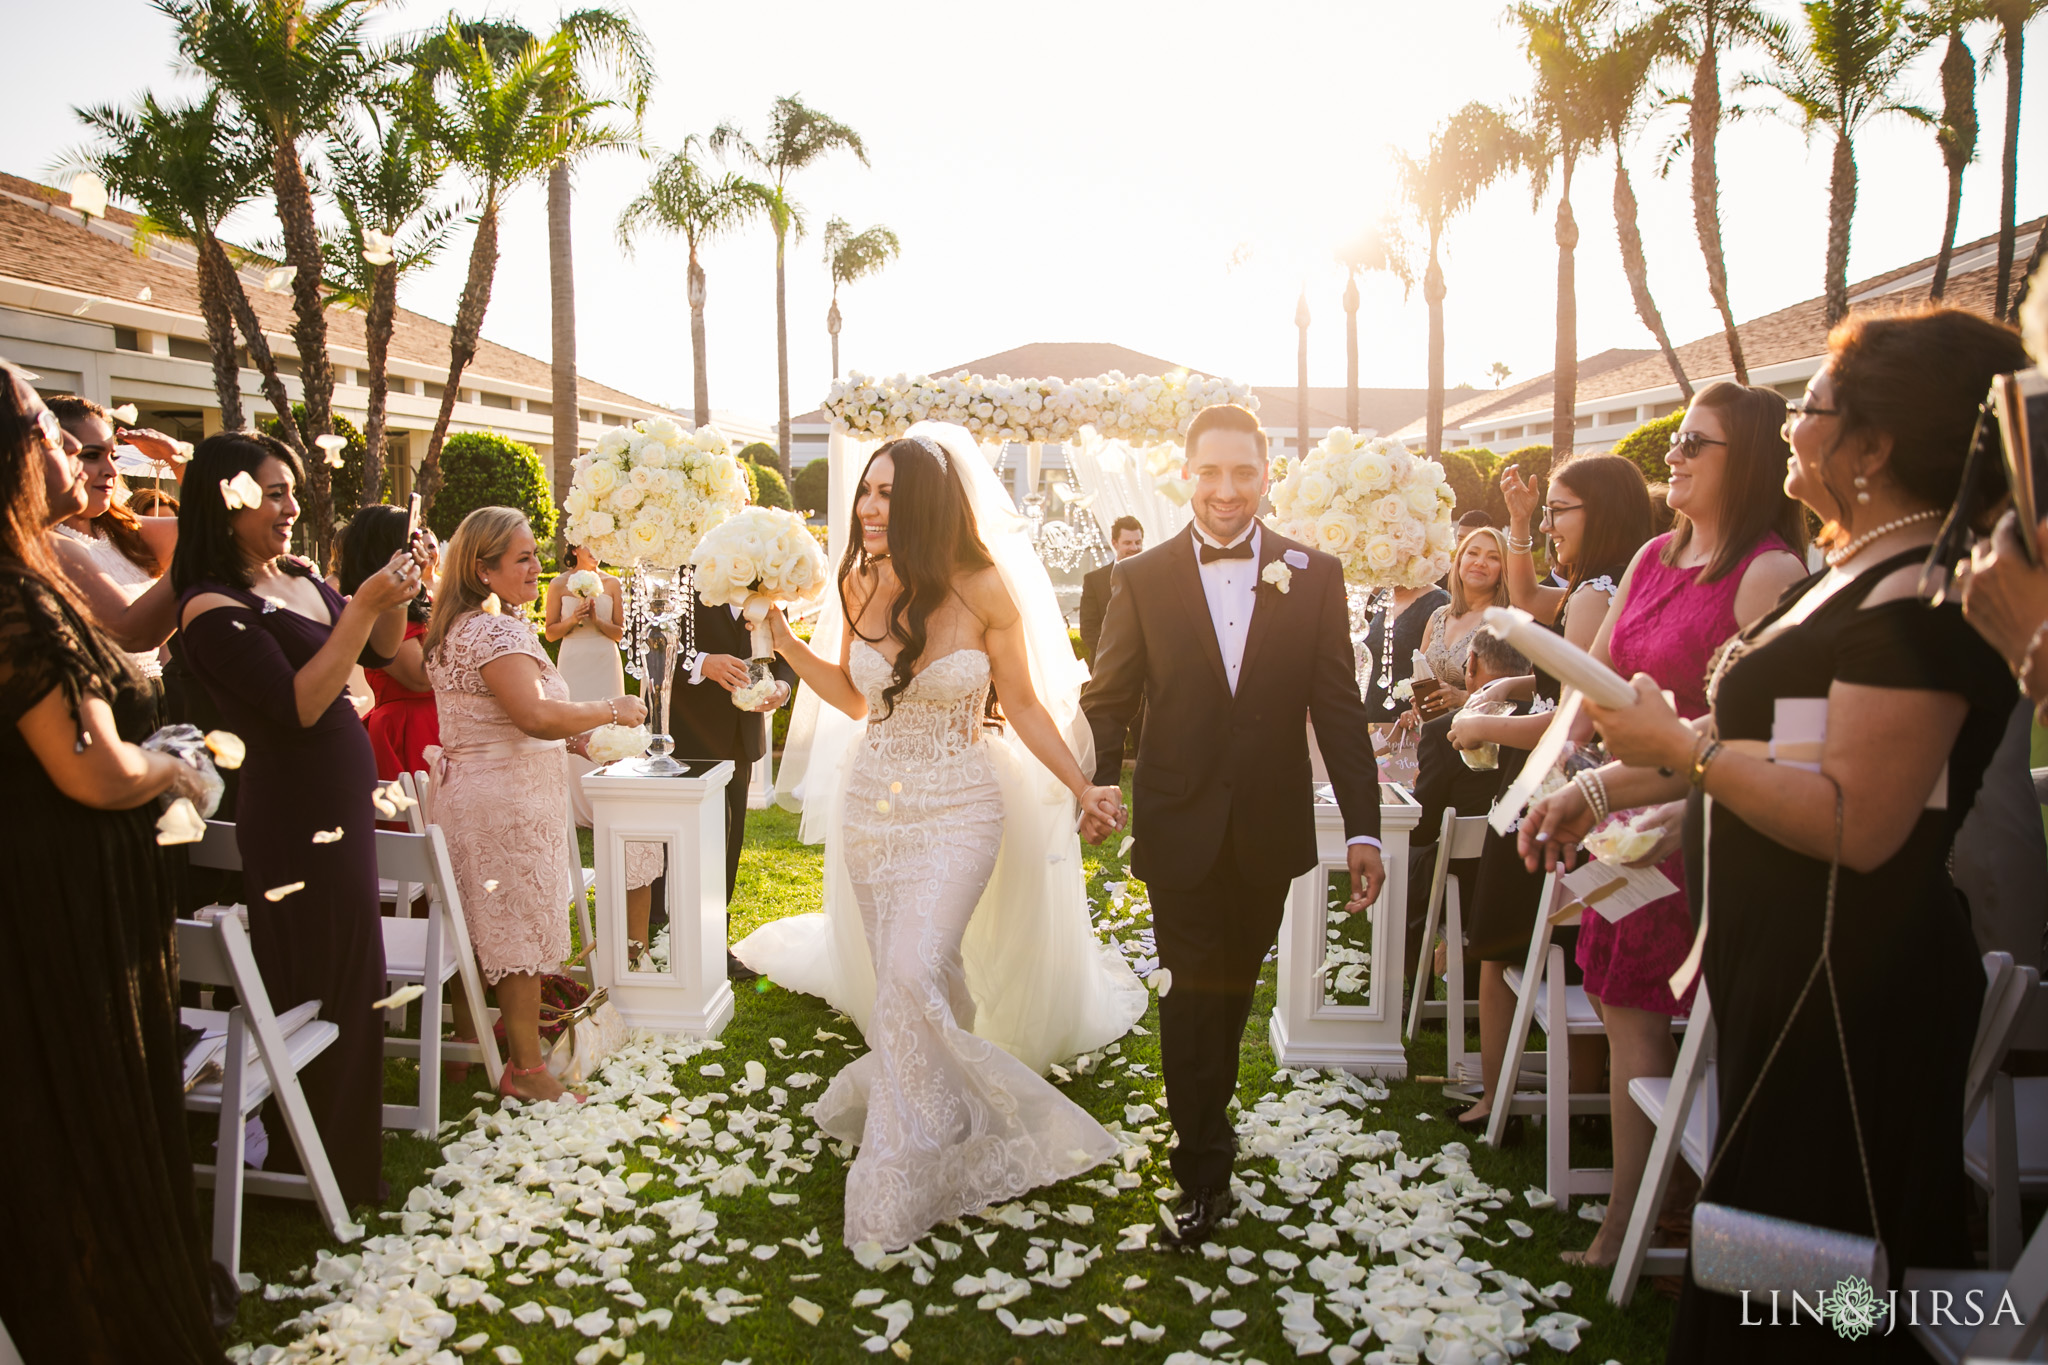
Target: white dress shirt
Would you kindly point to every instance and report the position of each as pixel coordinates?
(1231, 586)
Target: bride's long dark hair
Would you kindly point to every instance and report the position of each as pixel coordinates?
(932, 537)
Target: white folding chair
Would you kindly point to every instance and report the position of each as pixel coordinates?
(218, 954)
(403, 896)
(2005, 1143)
(429, 952)
(1684, 1106)
(1967, 1337)
(1461, 837)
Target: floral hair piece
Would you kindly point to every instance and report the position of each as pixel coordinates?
(932, 448)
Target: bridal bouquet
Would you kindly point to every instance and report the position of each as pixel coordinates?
(647, 493)
(583, 583)
(760, 558)
(1386, 514)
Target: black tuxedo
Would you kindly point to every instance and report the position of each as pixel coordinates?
(1095, 591)
(1222, 795)
(706, 724)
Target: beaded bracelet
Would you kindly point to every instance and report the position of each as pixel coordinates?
(1520, 547)
(2025, 671)
(612, 704)
(1594, 788)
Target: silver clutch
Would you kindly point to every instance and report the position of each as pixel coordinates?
(1735, 1250)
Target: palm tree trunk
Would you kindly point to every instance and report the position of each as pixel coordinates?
(309, 332)
(781, 354)
(1706, 188)
(1637, 269)
(1433, 294)
(1958, 139)
(1841, 210)
(469, 324)
(701, 384)
(2012, 17)
(562, 309)
(377, 325)
(1565, 363)
(259, 346)
(220, 337)
(1351, 350)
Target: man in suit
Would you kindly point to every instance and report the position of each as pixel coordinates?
(706, 724)
(1126, 538)
(1233, 638)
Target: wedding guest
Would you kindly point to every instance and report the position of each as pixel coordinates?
(1126, 538)
(1478, 580)
(152, 502)
(1732, 551)
(589, 628)
(1392, 639)
(1597, 515)
(273, 645)
(1915, 704)
(403, 723)
(113, 556)
(97, 1150)
(502, 782)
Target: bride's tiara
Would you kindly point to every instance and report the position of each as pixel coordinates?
(931, 448)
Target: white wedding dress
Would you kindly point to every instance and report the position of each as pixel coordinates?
(956, 929)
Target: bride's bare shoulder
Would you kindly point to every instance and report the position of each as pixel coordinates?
(986, 595)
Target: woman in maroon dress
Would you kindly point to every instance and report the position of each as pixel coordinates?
(273, 644)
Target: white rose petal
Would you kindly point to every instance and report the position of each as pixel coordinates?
(180, 823)
(404, 995)
(278, 893)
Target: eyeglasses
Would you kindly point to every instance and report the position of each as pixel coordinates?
(1552, 511)
(49, 428)
(1803, 407)
(1688, 443)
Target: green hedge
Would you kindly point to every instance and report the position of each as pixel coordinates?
(1648, 444)
(484, 469)
(812, 487)
(769, 489)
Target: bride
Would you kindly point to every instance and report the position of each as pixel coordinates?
(957, 850)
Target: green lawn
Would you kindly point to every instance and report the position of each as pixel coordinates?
(780, 876)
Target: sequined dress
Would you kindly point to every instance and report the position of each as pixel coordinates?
(947, 1123)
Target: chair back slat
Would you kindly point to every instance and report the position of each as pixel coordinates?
(2009, 995)
(405, 858)
(1466, 836)
(201, 959)
(218, 849)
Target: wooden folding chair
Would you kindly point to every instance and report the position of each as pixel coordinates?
(2005, 1142)
(218, 954)
(1563, 1012)
(1684, 1107)
(1461, 837)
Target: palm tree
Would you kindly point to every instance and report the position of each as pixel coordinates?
(385, 174)
(851, 256)
(1560, 40)
(2012, 17)
(496, 118)
(1379, 247)
(1618, 75)
(798, 135)
(683, 197)
(289, 65)
(1466, 155)
(1500, 373)
(1707, 27)
(1844, 72)
(187, 166)
(1956, 134)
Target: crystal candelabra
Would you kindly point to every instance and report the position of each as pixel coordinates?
(663, 597)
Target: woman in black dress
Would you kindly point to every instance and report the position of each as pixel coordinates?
(1392, 637)
(110, 1263)
(273, 645)
(1914, 705)
(1597, 515)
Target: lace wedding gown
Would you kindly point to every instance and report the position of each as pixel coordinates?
(947, 1123)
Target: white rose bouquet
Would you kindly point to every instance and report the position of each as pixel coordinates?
(1386, 514)
(647, 493)
(583, 583)
(756, 560)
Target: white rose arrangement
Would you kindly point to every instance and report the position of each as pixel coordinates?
(1145, 410)
(647, 493)
(583, 583)
(761, 558)
(1386, 514)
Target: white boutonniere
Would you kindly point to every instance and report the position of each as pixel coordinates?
(1278, 574)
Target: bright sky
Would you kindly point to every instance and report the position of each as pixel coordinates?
(1085, 172)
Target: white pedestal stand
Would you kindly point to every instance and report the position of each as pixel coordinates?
(691, 996)
(1307, 1028)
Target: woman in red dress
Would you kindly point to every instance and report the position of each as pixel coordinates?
(404, 722)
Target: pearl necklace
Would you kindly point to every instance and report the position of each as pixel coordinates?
(1838, 557)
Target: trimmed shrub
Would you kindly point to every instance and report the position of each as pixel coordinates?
(484, 469)
(812, 487)
(1648, 444)
(345, 485)
(759, 452)
(1468, 471)
(769, 489)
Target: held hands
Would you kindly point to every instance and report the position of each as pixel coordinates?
(1102, 812)
(728, 672)
(2005, 597)
(1368, 874)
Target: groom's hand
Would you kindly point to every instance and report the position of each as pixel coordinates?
(1367, 876)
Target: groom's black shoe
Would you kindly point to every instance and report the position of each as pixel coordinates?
(1197, 1215)
(736, 970)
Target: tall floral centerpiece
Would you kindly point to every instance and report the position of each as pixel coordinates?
(760, 559)
(1385, 514)
(645, 496)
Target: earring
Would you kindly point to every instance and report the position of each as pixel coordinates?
(1862, 489)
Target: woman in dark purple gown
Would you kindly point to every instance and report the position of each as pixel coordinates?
(273, 644)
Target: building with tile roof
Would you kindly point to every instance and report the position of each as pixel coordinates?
(88, 313)
(1620, 389)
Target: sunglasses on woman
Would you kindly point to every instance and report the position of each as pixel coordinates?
(1804, 407)
(1690, 444)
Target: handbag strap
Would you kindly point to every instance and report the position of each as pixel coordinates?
(1823, 966)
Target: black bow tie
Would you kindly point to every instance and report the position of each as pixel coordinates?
(1241, 550)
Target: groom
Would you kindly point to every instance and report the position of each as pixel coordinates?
(1233, 638)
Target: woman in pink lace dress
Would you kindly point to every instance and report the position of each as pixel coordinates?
(502, 778)
(1725, 563)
